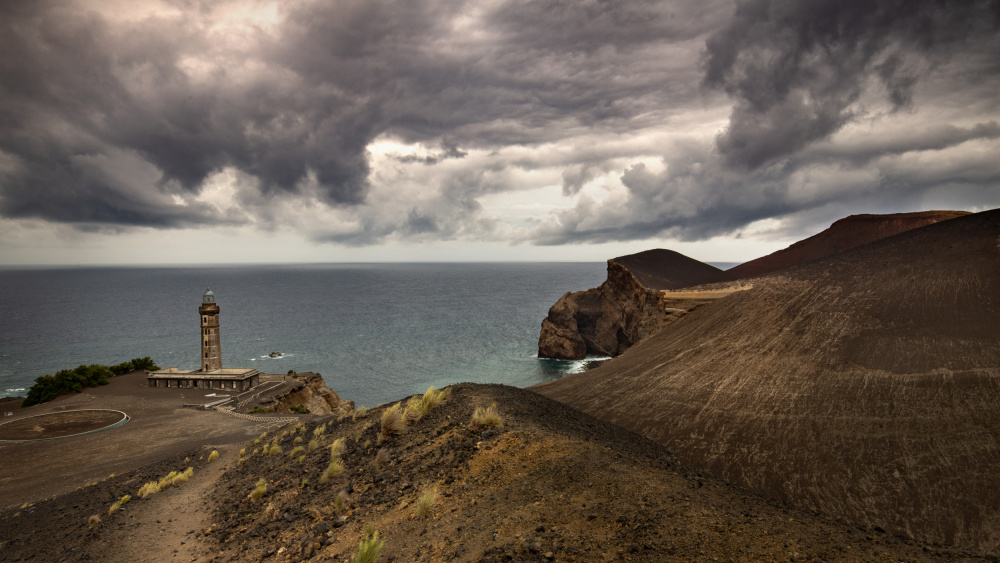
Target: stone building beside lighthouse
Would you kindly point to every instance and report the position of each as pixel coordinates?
(211, 374)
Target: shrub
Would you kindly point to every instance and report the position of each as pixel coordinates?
(213, 456)
(297, 450)
(301, 409)
(275, 450)
(257, 410)
(95, 520)
(48, 387)
(118, 504)
(488, 417)
(319, 430)
(313, 444)
(359, 412)
(369, 549)
(243, 452)
(259, 489)
(392, 423)
(425, 503)
(297, 440)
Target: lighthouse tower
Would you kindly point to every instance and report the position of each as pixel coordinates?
(211, 350)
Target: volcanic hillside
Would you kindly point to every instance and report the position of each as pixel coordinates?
(546, 484)
(666, 269)
(864, 385)
(844, 234)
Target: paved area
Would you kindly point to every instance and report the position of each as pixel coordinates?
(159, 427)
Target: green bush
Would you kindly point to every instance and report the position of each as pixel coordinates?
(299, 409)
(48, 387)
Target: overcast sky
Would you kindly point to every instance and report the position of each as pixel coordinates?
(369, 130)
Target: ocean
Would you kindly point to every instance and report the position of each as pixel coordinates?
(376, 332)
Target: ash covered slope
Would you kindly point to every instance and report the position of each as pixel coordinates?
(666, 269)
(842, 235)
(607, 320)
(550, 484)
(864, 385)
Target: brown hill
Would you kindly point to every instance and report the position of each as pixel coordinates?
(864, 385)
(842, 235)
(549, 484)
(627, 307)
(665, 269)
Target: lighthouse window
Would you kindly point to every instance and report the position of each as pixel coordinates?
(204, 319)
(206, 354)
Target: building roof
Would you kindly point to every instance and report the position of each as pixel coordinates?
(224, 373)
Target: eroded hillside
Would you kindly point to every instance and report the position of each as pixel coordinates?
(862, 385)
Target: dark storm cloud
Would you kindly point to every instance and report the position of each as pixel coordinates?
(107, 120)
(302, 102)
(799, 72)
(796, 67)
(431, 159)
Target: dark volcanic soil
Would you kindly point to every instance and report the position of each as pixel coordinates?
(863, 385)
(666, 269)
(847, 233)
(550, 484)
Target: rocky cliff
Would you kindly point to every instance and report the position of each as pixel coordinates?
(310, 391)
(629, 306)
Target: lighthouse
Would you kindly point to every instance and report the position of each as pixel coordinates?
(211, 349)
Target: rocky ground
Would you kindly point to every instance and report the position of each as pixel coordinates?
(549, 484)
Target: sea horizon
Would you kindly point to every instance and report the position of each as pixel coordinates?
(376, 331)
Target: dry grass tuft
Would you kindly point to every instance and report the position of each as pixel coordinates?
(275, 450)
(488, 417)
(393, 422)
(243, 452)
(94, 521)
(432, 398)
(359, 412)
(172, 478)
(414, 410)
(369, 549)
(335, 468)
(118, 504)
(341, 502)
(425, 503)
(297, 450)
(213, 456)
(259, 489)
(313, 445)
(337, 447)
(319, 430)
(382, 457)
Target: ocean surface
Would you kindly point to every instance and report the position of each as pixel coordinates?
(376, 332)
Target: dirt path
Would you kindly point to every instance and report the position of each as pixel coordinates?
(169, 526)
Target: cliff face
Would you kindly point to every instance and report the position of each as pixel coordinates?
(311, 392)
(609, 319)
